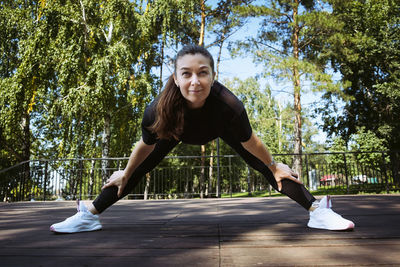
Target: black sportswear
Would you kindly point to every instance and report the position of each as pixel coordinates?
(222, 112)
(224, 116)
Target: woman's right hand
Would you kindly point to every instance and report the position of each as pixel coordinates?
(117, 179)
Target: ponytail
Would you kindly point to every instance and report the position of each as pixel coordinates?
(170, 110)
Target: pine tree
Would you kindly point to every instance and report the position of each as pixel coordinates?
(288, 46)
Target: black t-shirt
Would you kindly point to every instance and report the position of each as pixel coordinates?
(222, 114)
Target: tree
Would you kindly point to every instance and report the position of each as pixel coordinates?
(76, 77)
(367, 154)
(99, 77)
(288, 46)
(21, 77)
(224, 16)
(178, 25)
(225, 22)
(262, 110)
(365, 49)
(366, 140)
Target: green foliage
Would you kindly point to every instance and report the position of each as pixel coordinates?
(265, 114)
(365, 150)
(288, 46)
(365, 49)
(74, 70)
(366, 140)
(19, 79)
(225, 19)
(274, 46)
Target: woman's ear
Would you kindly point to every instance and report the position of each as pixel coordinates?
(175, 80)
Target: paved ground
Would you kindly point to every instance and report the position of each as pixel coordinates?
(211, 232)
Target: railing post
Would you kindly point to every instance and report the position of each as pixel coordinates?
(218, 189)
(231, 172)
(345, 173)
(25, 178)
(230, 177)
(308, 176)
(248, 181)
(80, 174)
(385, 172)
(394, 157)
(46, 166)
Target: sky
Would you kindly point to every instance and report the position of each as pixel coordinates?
(244, 67)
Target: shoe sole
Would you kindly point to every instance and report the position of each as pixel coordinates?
(349, 228)
(52, 229)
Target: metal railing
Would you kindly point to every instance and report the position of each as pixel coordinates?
(191, 176)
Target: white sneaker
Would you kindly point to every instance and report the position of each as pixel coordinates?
(82, 221)
(323, 217)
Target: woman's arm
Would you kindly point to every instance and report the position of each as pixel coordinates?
(279, 170)
(138, 155)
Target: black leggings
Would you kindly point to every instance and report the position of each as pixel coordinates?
(295, 191)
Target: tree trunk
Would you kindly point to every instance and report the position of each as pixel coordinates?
(26, 143)
(203, 170)
(146, 188)
(280, 133)
(201, 43)
(91, 179)
(161, 65)
(106, 147)
(394, 159)
(203, 22)
(297, 104)
(211, 171)
(92, 167)
(26, 152)
(219, 59)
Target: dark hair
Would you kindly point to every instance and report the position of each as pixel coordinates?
(191, 50)
(171, 105)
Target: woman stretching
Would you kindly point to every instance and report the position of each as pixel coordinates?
(195, 109)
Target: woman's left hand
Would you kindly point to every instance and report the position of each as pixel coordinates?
(117, 179)
(282, 171)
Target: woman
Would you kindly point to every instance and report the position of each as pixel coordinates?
(195, 109)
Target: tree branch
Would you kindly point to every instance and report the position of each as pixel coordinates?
(11, 150)
(271, 47)
(109, 35)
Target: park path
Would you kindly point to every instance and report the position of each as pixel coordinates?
(209, 232)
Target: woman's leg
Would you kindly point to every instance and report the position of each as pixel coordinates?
(108, 196)
(295, 191)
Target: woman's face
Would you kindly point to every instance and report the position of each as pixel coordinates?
(194, 77)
